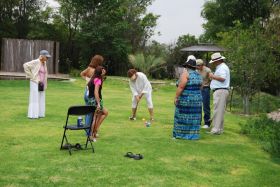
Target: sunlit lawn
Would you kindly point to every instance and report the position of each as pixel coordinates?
(30, 154)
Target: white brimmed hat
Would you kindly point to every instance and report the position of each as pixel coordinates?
(191, 57)
(216, 57)
(191, 61)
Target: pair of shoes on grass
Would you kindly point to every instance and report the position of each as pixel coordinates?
(134, 156)
(70, 146)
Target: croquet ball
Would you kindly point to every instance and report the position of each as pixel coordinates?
(143, 119)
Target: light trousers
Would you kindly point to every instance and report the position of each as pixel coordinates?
(148, 100)
(36, 106)
(220, 101)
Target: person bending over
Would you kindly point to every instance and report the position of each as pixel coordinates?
(140, 86)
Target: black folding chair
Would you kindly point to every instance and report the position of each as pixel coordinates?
(77, 111)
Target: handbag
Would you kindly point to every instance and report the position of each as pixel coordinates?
(40, 87)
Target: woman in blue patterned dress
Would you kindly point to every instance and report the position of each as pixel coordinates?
(188, 102)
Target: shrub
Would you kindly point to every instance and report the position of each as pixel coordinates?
(266, 131)
(75, 72)
(260, 103)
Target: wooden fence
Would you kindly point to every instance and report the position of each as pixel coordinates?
(15, 52)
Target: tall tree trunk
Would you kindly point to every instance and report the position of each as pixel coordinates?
(246, 104)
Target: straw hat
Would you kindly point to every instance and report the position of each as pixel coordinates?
(216, 57)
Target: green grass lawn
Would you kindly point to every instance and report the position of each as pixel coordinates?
(30, 154)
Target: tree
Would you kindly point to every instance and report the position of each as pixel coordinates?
(146, 64)
(272, 33)
(222, 14)
(16, 16)
(107, 28)
(69, 18)
(140, 24)
(83, 28)
(251, 60)
(157, 49)
(176, 56)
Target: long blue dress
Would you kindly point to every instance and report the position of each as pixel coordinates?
(187, 118)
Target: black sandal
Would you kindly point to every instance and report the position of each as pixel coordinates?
(129, 155)
(66, 146)
(138, 157)
(78, 146)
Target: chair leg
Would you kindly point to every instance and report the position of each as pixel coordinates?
(62, 139)
(92, 146)
(87, 142)
(69, 146)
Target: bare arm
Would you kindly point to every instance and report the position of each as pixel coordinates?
(84, 73)
(183, 82)
(96, 95)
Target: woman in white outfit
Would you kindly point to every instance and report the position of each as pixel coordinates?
(140, 86)
(37, 71)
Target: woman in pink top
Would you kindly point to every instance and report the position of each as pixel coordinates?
(95, 99)
(96, 60)
(42, 74)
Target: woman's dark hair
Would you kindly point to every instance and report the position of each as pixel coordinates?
(131, 72)
(97, 60)
(191, 67)
(98, 72)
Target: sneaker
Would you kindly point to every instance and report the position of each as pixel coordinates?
(93, 139)
(132, 118)
(213, 133)
(205, 127)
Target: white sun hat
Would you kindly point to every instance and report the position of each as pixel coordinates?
(216, 57)
(191, 57)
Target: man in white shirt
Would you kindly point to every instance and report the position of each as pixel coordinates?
(140, 86)
(220, 85)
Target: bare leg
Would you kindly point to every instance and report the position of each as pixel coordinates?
(134, 112)
(93, 125)
(101, 116)
(151, 111)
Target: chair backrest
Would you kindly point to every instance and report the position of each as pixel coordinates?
(81, 110)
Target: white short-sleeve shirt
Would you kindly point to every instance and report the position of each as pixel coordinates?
(140, 85)
(222, 70)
